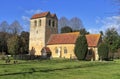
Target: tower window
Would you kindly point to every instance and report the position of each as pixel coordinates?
(53, 23)
(35, 23)
(39, 22)
(49, 22)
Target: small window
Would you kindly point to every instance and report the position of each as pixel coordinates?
(49, 22)
(39, 22)
(56, 50)
(35, 23)
(65, 50)
(90, 52)
(53, 23)
(37, 31)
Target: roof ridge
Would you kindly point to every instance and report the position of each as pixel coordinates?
(93, 34)
(42, 14)
(67, 33)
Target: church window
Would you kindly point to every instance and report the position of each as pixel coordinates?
(65, 50)
(90, 52)
(35, 23)
(37, 31)
(39, 22)
(49, 22)
(56, 50)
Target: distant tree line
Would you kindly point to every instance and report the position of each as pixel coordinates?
(13, 40)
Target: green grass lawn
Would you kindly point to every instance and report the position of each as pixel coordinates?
(60, 69)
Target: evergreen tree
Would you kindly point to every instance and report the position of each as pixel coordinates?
(103, 51)
(66, 29)
(81, 47)
(112, 39)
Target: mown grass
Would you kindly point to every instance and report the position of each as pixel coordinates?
(60, 69)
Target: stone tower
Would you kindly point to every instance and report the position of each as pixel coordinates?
(41, 27)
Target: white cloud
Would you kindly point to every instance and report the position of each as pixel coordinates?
(108, 22)
(97, 20)
(25, 18)
(111, 22)
(32, 11)
(93, 31)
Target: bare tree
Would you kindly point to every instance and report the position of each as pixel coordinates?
(15, 28)
(76, 23)
(63, 21)
(4, 26)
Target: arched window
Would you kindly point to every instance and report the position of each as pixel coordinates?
(56, 50)
(35, 23)
(49, 23)
(90, 52)
(65, 50)
(53, 23)
(40, 23)
(37, 31)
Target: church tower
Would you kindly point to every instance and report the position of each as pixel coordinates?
(41, 27)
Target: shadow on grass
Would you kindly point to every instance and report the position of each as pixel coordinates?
(33, 70)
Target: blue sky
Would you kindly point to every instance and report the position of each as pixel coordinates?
(93, 13)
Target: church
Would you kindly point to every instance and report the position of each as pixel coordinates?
(44, 36)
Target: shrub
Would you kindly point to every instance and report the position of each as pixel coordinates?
(3, 57)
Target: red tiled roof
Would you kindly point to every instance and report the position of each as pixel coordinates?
(70, 38)
(44, 14)
(66, 38)
(53, 15)
(46, 49)
(93, 39)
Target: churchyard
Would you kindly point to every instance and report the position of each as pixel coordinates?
(60, 69)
